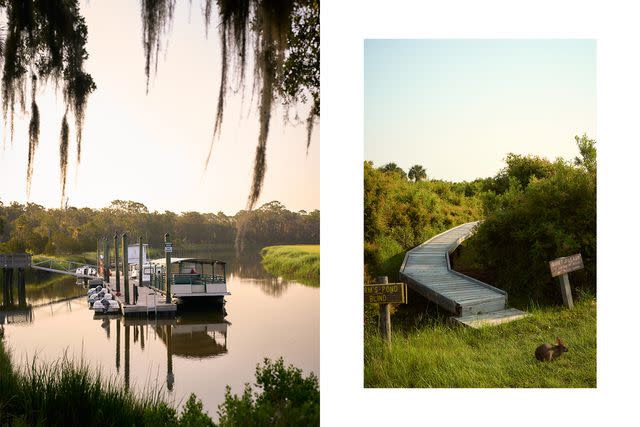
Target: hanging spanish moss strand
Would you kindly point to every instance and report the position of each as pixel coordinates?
(34, 133)
(156, 21)
(234, 27)
(49, 38)
(64, 150)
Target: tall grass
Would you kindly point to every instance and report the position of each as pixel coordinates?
(67, 392)
(295, 262)
(432, 353)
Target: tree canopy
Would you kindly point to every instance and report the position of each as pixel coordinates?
(36, 229)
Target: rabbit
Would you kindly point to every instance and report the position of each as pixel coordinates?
(549, 352)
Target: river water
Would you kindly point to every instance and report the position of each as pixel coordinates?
(198, 352)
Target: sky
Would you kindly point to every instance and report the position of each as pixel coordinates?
(458, 107)
(151, 148)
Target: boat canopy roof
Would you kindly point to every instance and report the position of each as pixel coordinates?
(162, 261)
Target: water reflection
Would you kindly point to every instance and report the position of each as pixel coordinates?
(191, 335)
(271, 317)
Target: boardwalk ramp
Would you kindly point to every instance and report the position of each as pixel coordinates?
(427, 270)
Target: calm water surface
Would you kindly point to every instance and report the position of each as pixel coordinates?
(199, 351)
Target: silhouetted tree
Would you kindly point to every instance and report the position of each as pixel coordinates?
(393, 168)
(417, 173)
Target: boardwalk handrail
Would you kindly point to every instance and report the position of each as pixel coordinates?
(69, 267)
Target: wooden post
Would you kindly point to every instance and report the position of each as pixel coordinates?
(115, 250)
(167, 275)
(107, 260)
(98, 254)
(384, 318)
(140, 270)
(125, 266)
(565, 289)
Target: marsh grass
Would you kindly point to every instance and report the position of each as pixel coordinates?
(294, 262)
(68, 392)
(427, 351)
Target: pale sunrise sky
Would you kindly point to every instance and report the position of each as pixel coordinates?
(151, 148)
(457, 107)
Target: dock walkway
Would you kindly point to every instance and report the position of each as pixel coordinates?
(150, 302)
(427, 270)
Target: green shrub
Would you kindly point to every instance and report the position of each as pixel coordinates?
(286, 399)
(549, 218)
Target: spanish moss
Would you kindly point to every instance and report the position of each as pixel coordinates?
(156, 22)
(47, 40)
(34, 133)
(64, 149)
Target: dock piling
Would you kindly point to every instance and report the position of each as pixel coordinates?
(125, 266)
(115, 250)
(167, 253)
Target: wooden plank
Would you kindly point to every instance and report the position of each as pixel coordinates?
(389, 293)
(435, 297)
(490, 319)
(566, 265)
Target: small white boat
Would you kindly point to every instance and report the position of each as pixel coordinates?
(106, 306)
(94, 290)
(82, 272)
(99, 296)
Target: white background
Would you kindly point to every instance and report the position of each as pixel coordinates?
(344, 26)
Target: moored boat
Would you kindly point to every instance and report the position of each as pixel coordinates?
(196, 279)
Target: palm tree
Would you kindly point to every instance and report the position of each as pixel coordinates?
(417, 173)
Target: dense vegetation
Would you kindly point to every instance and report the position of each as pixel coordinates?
(427, 351)
(400, 214)
(286, 399)
(67, 393)
(296, 262)
(33, 228)
(534, 210)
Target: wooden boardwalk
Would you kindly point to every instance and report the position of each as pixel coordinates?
(150, 302)
(426, 269)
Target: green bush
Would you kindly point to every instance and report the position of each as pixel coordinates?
(530, 225)
(286, 399)
(400, 214)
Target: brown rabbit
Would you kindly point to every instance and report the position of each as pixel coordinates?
(550, 352)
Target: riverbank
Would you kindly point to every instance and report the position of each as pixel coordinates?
(293, 262)
(426, 351)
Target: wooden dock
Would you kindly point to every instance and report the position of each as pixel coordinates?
(427, 270)
(150, 303)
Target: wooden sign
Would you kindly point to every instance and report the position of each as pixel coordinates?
(566, 265)
(390, 293)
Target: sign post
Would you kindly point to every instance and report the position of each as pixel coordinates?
(168, 249)
(385, 293)
(562, 267)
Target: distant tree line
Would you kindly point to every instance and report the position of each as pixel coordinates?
(34, 228)
(534, 210)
